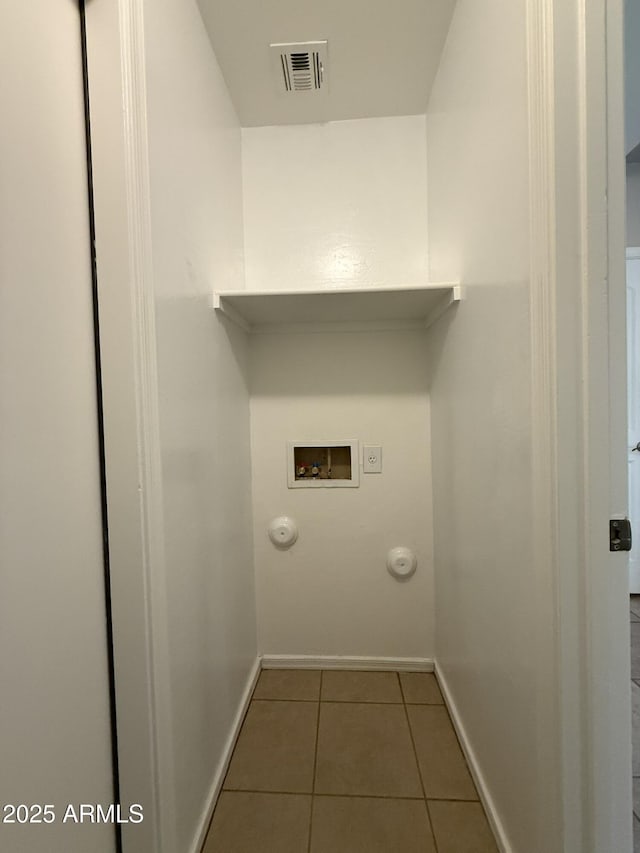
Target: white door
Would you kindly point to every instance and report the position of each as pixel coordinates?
(633, 382)
(55, 743)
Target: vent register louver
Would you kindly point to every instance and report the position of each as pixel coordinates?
(300, 68)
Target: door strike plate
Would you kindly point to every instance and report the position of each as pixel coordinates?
(619, 534)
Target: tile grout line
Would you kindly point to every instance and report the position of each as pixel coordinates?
(406, 705)
(415, 755)
(344, 701)
(354, 701)
(280, 793)
(315, 763)
(280, 699)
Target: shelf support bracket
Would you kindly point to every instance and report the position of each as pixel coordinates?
(222, 308)
(449, 299)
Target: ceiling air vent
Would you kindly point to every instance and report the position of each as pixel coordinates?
(301, 67)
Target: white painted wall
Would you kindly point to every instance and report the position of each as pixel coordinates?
(54, 725)
(632, 73)
(633, 204)
(331, 594)
(196, 221)
(492, 633)
(335, 205)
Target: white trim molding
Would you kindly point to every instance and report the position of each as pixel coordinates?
(145, 381)
(544, 356)
(118, 114)
(349, 663)
(491, 811)
(577, 334)
(225, 759)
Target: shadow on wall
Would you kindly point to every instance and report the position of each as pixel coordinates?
(379, 364)
(480, 407)
(436, 341)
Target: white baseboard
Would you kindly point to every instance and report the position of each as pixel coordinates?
(338, 662)
(487, 801)
(223, 764)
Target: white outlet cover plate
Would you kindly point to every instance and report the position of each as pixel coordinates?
(372, 459)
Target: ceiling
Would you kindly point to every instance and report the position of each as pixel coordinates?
(383, 55)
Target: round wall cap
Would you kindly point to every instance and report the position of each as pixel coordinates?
(283, 531)
(401, 562)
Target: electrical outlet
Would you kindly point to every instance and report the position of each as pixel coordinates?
(372, 459)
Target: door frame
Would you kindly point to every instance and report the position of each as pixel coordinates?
(577, 268)
(118, 116)
(579, 408)
(632, 254)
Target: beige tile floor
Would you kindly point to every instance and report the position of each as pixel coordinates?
(348, 762)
